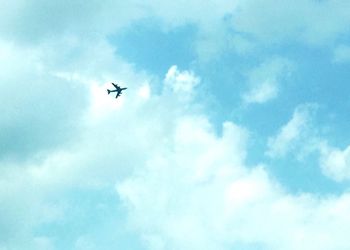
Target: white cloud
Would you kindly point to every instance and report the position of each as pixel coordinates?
(264, 80)
(300, 136)
(264, 92)
(191, 168)
(335, 163)
(291, 134)
(198, 194)
(145, 91)
(182, 83)
(191, 188)
(341, 54)
(108, 137)
(41, 125)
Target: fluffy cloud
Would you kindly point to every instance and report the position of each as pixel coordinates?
(181, 83)
(190, 190)
(299, 135)
(65, 143)
(264, 80)
(335, 163)
(108, 140)
(199, 194)
(59, 136)
(46, 119)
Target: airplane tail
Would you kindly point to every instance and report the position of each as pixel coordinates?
(108, 91)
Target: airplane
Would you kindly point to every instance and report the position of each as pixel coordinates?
(117, 89)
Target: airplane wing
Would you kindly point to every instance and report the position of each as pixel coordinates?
(115, 85)
(119, 93)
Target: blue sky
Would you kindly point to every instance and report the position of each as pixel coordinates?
(232, 134)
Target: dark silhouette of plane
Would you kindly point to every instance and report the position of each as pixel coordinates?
(117, 89)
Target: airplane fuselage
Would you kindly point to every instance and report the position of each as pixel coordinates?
(117, 89)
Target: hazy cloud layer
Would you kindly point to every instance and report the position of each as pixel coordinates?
(313, 22)
(39, 110)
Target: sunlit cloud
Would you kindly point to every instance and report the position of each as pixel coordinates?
(145, 91)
